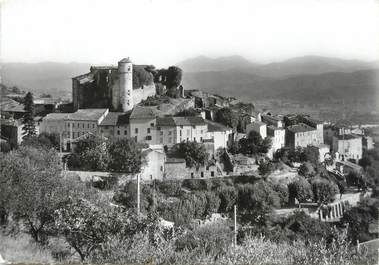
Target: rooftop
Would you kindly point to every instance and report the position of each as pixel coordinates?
(300, 127)
(56, 116)
(180, 121)
(349, 164)
(87, 114)
(116, 118)
(271, 117)
(347, 137)
(139, 112)
(10, 105)
(216, 127)
(274, 128)
(259, 123)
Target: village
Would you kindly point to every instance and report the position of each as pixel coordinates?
(197, 160)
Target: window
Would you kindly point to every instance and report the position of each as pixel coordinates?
(158, 128)
(93, 126)
(87, 125)
(161, 168)
(181, 126)
(151, 124)
(83, 125)
(148, 137)
(136, 130)
(169, 132)
(202, 174)
(125, 132)
(135, 138)
(73, 125)
(151, 177)
(194, 139)
(148, 130)
(118, 132)
(201, 139)
(212, 173)
(180, 132)
(191, 175)
(78, 125)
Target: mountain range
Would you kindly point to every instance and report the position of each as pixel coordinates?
(308, 78)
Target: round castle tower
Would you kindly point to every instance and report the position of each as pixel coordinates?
(124, 97)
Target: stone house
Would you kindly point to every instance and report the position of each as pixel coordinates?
(301, 135)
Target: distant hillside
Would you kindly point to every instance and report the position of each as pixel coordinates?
(361, 85)
(47, 77)
(291, 67)
(206, 64)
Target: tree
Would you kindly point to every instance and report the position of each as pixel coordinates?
(300, 189)
(365, 162)
(125, 156)
(228, 196)
(173, 80)
(90, 154)
(256, 201)
(194, 153)
(31, 187)
(227, 117)
(173, 77)
(324, 190)
(29, 127)
(282, 191)
(88, 227)
(265, 168)
(254, 144)
(307, 170)
(309, 154)
(43, 140)
(359, 219)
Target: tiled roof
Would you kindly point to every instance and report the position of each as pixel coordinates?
(143, 113)
(10, 105)
(273, 128)
(180, 121)
(270, 117)
(216, 127)
(87, 114)
(259, 123)
(348, 137)
(116, 118)
(300, 127)
(56, 116)
(165, 121)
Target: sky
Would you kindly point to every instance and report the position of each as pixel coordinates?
(164, 32)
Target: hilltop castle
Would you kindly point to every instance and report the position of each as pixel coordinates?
(117, 88)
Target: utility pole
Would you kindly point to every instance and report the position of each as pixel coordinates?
(60, 142)
(235, 225)
(138, 194)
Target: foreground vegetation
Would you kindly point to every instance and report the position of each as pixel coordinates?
(48, 215)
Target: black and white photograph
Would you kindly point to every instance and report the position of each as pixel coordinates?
(189, 132)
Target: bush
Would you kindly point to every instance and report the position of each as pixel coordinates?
(301, 190)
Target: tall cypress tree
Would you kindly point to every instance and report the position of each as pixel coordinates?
(28, 121)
